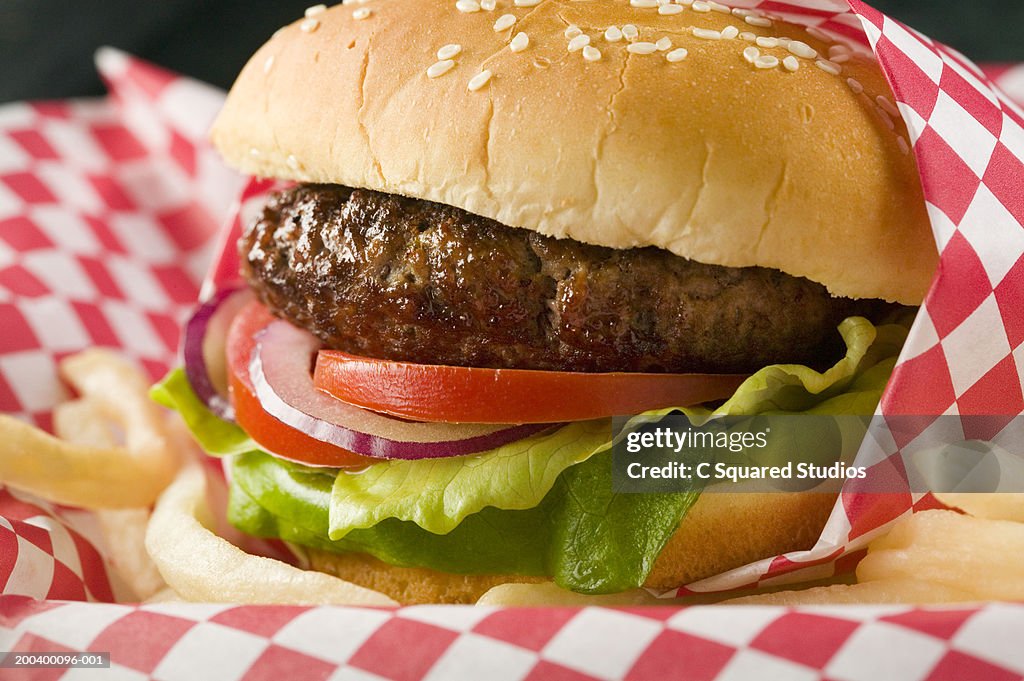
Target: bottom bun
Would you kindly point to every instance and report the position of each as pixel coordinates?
(721, 532)
(410, 585)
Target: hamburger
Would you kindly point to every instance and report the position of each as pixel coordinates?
(498, 224)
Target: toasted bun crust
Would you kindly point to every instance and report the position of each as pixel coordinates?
(709, 157)
(721, 532)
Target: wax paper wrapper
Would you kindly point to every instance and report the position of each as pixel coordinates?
(110, 215)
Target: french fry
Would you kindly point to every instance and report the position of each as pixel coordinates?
(952, 551)
(124, 531)
(90, 476)
(121, 393)
(82, 422)
(929, 557)
(201, 566)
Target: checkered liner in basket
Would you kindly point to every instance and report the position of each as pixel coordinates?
(109, 214)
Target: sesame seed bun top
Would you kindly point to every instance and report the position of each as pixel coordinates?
(691, 129)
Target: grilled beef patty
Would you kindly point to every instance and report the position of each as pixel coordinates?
(385, 276)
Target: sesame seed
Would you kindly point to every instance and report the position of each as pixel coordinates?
(748, 36)
(764, 41)
(751, 53)
(643, 4)
(440, 68)
(706, 33)
(840, 58)
(719, 7)
(677, 54)
(902, 143)
(488, 5)
(886, 118)
(526, 3)
(886, 105)
(591, 53)
(740, 12)
(838, 49)
(766, 61)
(730, 32)
(630, 31)
(504, 21)
(479, 80)
(816, 32)
(292, 162)
(758, 21)
(612, 34)
(663, 44)
(578, 43)
(802, 49)
(668, 10)
(700, 6)
(467, 6)
(314, 10)
(829, 67)
(519, 43)
(362, 13)
(642, 48)
(572, 31)
(791, 63)
(268, 64)
(855, 85)
(309, 25)
(685, 2)
(449, 51)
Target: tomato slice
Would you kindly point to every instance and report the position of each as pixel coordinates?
(274, 436)
(473, 395)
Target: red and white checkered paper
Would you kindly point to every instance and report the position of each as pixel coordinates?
(109, 214)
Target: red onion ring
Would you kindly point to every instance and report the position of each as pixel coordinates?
(280, 370)
(203, 348)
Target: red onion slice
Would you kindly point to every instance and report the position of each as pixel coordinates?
(281, 372)
(203, 348)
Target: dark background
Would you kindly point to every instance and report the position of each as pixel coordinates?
(46, 46)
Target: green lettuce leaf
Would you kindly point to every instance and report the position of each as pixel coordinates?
(438, 494)
(581, 534)
(216, 436)
(853, 385)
